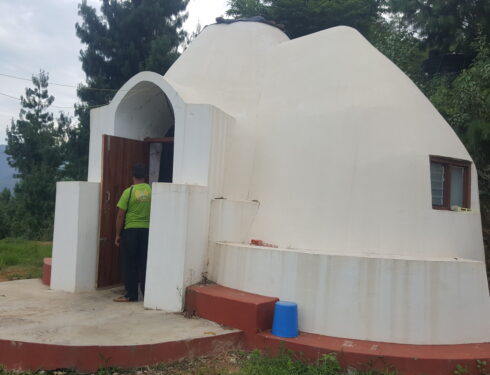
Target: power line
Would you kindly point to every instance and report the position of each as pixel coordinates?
(57, 84)
(9, 96)
(53, 106)
(136, 92)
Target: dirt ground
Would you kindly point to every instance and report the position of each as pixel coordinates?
(15, 273)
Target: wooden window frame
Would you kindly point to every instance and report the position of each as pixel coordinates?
(447, 163)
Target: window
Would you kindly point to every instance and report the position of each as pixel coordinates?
(450, 183)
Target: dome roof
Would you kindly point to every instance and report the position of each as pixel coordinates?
(331, 138)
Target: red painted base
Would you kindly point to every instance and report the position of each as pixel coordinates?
(16, 355)
(406, 359)
(46, 278)
(220, 304)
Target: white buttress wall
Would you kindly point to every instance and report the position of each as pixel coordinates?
(177, 243)
(76, 236)
(179, 223)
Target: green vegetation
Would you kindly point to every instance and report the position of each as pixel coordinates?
(121, 39)
(35, 144)
(301, 17)
(239, 363)
(20, 259)
(288, 363)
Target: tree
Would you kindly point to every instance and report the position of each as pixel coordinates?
(401, 46)
(302, 17)
(5, 213)
(33, 140)
(464, 101)
(35, 147)
(126, 37)
(447, 26)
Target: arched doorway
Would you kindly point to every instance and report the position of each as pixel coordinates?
(143, 133)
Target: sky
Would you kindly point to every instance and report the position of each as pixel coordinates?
(40, 34)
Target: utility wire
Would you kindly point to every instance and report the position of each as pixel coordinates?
(136, 92)
(53, 106)
(57, 84)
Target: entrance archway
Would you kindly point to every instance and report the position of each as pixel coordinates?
(143, 120)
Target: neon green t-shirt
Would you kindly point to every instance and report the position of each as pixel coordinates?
(138, 214)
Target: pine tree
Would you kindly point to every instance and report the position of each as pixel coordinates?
(35, 147)
(123, 39)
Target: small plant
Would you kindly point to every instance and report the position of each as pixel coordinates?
(460, 370)
(159, 367)
(108, 371)
(329, 364)
(482, 367)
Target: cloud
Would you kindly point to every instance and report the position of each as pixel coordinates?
(204, 12)
(38, 35)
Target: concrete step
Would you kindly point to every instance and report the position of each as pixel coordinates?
(249, 312)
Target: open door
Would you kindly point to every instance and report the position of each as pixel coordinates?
(118, 156)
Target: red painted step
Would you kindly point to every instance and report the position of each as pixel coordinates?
(46, 278)
(16, 355)
(249, 312)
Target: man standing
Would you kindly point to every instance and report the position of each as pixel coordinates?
(134, 214)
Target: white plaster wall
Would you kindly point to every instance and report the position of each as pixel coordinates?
(396, 299)
(222, 125)
(75, 238)
(196, 236)
(343, 155)
(231, 221)
(144, 112)
(154, 163)
(225, 67)
(199, 158)
(335, 147)
(192, 157)
(101, 122)
(177, 243)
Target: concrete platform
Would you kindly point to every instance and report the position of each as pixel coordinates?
(78, 330)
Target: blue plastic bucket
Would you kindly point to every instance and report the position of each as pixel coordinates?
(285, 323)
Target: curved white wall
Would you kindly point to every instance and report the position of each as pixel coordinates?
(331, 138)
(320, 145)
(144, 112)
(343, 155)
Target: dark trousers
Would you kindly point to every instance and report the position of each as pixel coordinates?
(135, 251)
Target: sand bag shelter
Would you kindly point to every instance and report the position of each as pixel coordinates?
(320, 146)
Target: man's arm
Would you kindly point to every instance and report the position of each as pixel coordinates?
(121, 214)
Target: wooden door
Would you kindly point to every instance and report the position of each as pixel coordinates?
(118, 156)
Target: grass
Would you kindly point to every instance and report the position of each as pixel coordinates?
(289, 363)
(238, 363)
(21, 259)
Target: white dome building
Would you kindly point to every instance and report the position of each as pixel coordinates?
(365, 200)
